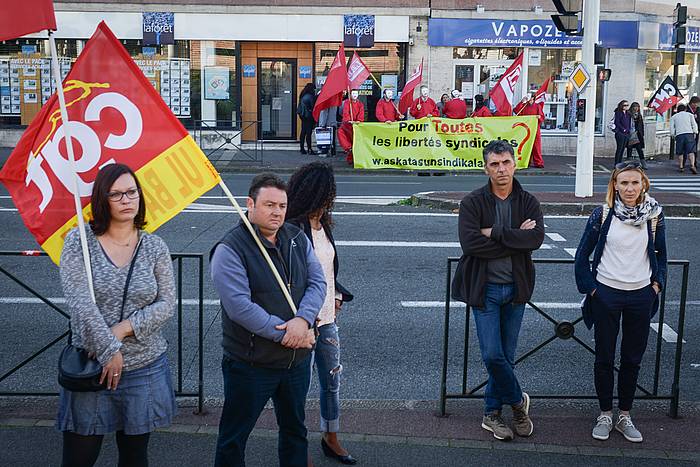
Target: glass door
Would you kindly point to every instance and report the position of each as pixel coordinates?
(277, 99)
(473, 76)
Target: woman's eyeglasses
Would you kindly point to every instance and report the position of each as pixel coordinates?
(628, 165)
(117, 196)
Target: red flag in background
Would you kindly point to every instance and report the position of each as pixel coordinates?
(541, 94)
(502, 93)
(357, 72)
(665, 97)
(407, 93)
(22, 17)
(115, 115)
(336, 82)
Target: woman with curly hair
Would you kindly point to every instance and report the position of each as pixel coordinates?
(310, 197)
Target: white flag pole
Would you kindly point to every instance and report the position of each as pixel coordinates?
(71, 158)
(263, 250)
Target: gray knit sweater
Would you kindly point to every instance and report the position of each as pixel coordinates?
(149, 304)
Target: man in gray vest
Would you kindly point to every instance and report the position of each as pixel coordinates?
(267, 349)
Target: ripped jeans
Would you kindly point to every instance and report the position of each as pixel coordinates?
(327, 359)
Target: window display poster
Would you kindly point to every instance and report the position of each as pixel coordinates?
(216, 83)
(467, 90)
(30, 98)
(305, 72)
(390, 82)
(535, 57)
(249, 71)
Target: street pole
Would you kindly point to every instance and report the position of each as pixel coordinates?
(672, 141)
(586, 130)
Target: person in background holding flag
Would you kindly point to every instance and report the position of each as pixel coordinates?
(455, 107)
(336, 83)
(424, 106)
(684, 130)
(480, 107)
(386, 110)
(353, 112)
(527, 106)
(123, 330)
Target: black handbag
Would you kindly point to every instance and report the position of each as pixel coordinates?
(78, 372)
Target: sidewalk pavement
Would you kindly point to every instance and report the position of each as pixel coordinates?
(389, 433)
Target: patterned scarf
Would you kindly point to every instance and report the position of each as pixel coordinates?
(639, 214)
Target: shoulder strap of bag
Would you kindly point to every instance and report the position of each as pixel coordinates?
(606, 211)
(128, 279)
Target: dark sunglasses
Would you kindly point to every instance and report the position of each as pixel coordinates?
(628, 165)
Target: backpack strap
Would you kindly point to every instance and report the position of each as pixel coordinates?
(606, 211)
(654, 221)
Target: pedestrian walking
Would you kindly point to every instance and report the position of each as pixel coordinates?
(527, 106)
(627, 237)
(621, 123)
(694, 108)
(353, 112)
(441, 105)
(135, 297)
(500, 225)
(684, 129)
(305, 112)
(424, 106)
(311, 195)
(267, 348)
(386, 110)
(455, 107)
(636, 141)
(480, 107)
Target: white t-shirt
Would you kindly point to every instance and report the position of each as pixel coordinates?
(625, 261)
(326, 254)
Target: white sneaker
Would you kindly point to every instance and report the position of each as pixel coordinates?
(625, 426)
(603, 427)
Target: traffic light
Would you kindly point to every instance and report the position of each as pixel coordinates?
(599, 54)
(604, 74)
(580, 110)
(680, 15)
(568, 21)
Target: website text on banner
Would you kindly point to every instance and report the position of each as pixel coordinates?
(440, 143)
(115, 115)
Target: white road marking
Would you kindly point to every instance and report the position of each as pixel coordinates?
(667, 333)
(546, 305)
(556, 237)
(376, 243)
(695, 366)
(571, 251)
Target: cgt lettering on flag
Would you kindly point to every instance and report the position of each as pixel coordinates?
(115, 116)
(667, 96)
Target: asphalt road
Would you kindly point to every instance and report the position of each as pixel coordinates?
(393, 258)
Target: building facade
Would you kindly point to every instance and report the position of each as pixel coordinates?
(243, 64)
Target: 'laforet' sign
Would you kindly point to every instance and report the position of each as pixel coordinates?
(358, 31)
(158, 28)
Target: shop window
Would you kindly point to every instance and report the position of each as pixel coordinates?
(560, 104)
(385, 60)
(471, 53)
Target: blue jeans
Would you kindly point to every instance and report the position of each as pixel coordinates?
(246, 391)
(327, 358)
(498, 326)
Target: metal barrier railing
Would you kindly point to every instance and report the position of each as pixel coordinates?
(226, 135)
(566, 330)
(179, 391)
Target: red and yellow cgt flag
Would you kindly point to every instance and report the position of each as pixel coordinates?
(115, 115)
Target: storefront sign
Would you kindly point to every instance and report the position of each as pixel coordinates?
(440, 143)
(692, 38)
(249, 71)
(216, 83)
(305, 72)
(358, 31)
(454, 32)
(158, 28)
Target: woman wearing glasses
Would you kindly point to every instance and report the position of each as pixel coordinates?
(627, 237)
(122, 330)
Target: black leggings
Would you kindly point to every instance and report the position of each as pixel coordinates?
(82, 451)
(307, 127)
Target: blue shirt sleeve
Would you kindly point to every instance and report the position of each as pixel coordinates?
(315, 295)
(231, 283)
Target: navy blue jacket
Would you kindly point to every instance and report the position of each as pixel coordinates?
(593, 241)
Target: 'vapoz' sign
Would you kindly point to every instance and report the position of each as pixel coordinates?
(459, 32)
(158, 28)
(358, 30)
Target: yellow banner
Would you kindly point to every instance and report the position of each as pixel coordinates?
(170, 182)
(440, 143)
